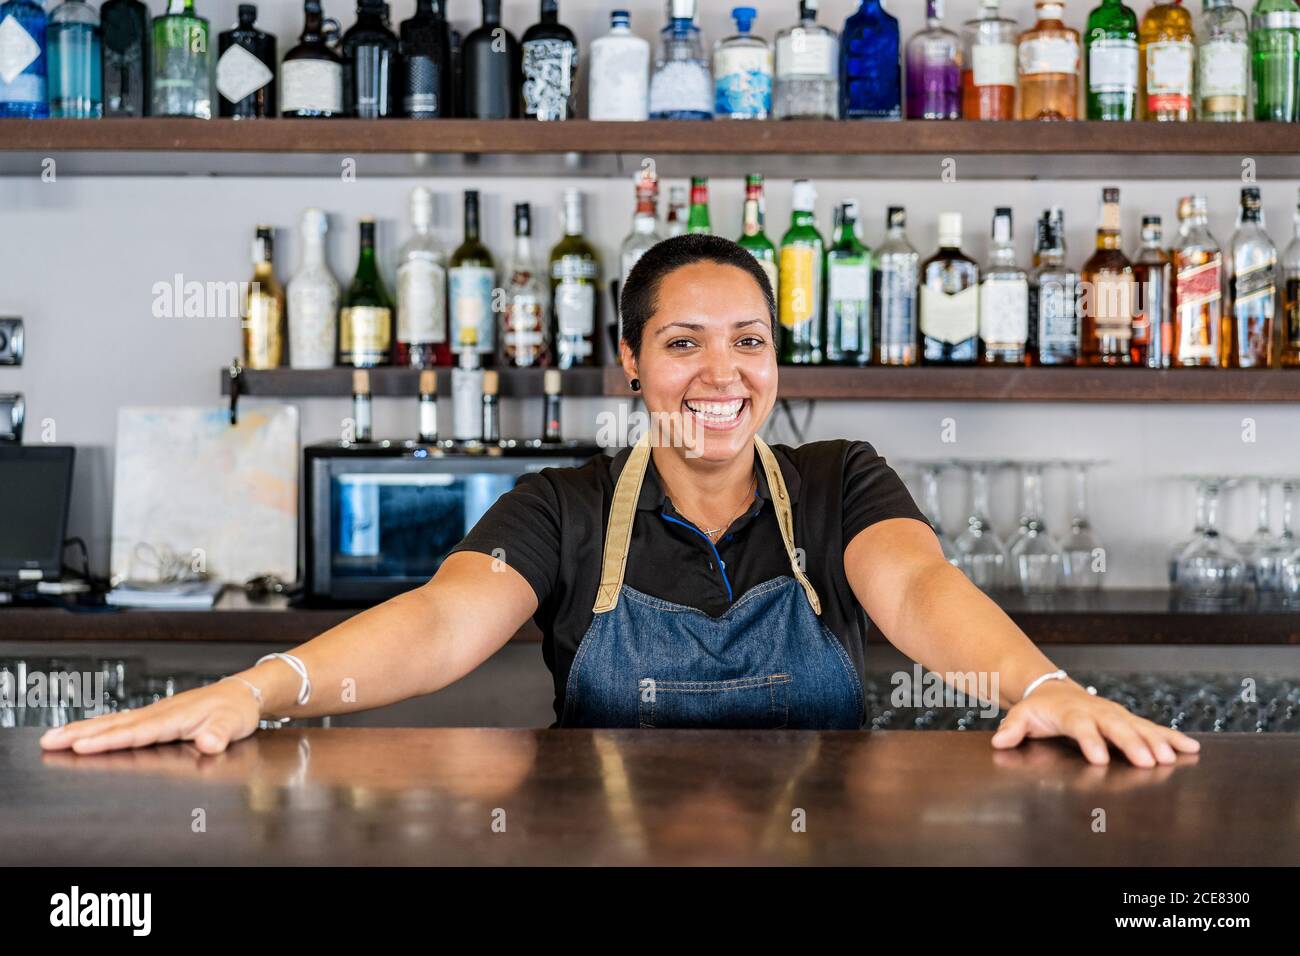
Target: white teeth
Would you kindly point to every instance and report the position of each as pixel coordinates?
(716, 411)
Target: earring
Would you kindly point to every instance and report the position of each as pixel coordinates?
(636, 384)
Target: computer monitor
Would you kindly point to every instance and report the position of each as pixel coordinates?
(35, 490)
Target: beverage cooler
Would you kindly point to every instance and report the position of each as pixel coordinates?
(378, 518)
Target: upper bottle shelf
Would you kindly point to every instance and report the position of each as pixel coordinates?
(942, 150)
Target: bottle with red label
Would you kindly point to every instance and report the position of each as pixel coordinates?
(1166, 60)
(1198, 289)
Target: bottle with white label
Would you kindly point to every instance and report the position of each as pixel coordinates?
(618, 80)
(467, 389)
(1223, 64)
(1048, 66)
(313, 295)
(471, 288)
(422, 291)
(23, 92)
(1166, 59)
(950, 319)
(988, 74)
(311, 76)
(246, 69)
(895, 287)
(1004, 299)
(848, 291)
(362, 411)
(1112, 62)
(645, 230)
(807, 69)
(429, 406)
(682, 84)
(575, 276)
(742, 72)
(525, 331)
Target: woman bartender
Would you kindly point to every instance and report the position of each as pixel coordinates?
(697, 579)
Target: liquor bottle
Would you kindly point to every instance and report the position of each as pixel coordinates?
(801, 282)
(125, 57)
(550, 63)
(681, 86)
(1222, 64)
(934, 69)
(896, 285)
(311, 76)
(467, 388)
(618, 73)
(525, 325)
(988, 76)
(807, 69)
(1004, 299)
(1112, 38)
(575, 276)
(753, 232)
(551, 381)
(1053, 297)
(366, 319)
(742, 72)
(181, 85)
(1049, 66)
(679, 211)
(1106, 306)
(490, 433)
(422, 291)
(263, 308)
(950, 317)
(1274, 52)
(362, 407)
(698, 221)
(425, 46)
(1153, 319)
(848, 292)
(471, 280)
(1290, 347)
(76, 88)
(1166, 53)
(370, 60)
(1252, 285)
(493, 78)
(429, 406)
(246, 69)
(870, 70)
(313, 296)
(1198, 289)
(645, 230)
(23, 89)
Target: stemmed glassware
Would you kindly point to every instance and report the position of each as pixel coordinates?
(1211, 570)
(1198, 529)
(1085, 558)
(930, 504)
(1038, 564)
(980, 552)
(1263, 551)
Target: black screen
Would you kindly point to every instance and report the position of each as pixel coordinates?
(34, 488)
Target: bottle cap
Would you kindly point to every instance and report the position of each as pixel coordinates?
(551, 381)
(490, 382)
(949, 228)
(896, 216)
(850, 207)
(1110, 194)
(620, 18)
(805, 195)
(422, 206)
(744, 17)
(428, 382)
(1002, 224)
(681, 9)
(247, 14)
(360, 382)
(314, 222)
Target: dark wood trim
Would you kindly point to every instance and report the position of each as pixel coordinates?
(392, 382)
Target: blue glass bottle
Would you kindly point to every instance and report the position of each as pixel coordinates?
(871, 82)
(22, 60)
(76, 74)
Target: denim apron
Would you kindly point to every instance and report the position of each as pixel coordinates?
(767, 662)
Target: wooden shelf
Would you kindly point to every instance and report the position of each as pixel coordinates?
(846, 149)
(839, 383)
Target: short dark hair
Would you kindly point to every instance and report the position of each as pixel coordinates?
(638, 298)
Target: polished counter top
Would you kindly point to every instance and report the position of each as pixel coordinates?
(576, 797)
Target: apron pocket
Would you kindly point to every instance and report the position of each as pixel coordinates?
(743, 703)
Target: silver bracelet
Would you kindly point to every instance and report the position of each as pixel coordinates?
(257, 694)
(304, 688)
(1033, 684)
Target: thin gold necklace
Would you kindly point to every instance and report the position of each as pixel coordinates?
(710, 532)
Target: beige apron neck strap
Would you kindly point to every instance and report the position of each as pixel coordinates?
(785, 518)
(618, 532)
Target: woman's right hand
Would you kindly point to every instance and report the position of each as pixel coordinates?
(213, 717)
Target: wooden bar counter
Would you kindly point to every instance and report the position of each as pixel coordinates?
(572, 797)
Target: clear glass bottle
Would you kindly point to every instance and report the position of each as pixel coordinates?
(313, 299)
(246, 65)
(182, 85)
(1198, 288)
(1106, 306)
(471, 281)
(422, 291)
(754, 235)
(679, 211)
(525, 326)
(1274, 53)
(264, 308)
(1049, 66)
(1004, 299)
(934, 69)
(618, 73)
(950, 296)
(1222, 64)
(125, 52)
(645, 229)
(76, 88)
(802, 282)
(1291, 296)
(871, 74)
(550, 66)
(988, 74)
(1166, 57)
(742, 72)
(23, 60)
(807, 69)
(575, 277)
(682, 84)
(1252, 285)
(897, 275)
(1053, 296)
(1153, 320)
(1112, 38)
(848, 291)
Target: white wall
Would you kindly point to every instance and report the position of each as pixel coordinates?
(79, 258)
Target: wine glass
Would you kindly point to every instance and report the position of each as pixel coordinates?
(1211, 570)
(1081, 547)
(980, 552)
(1037, 562)
(1262, 551)
(930, 504)
(1175, 552)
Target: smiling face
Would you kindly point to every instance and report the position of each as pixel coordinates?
(708, 358)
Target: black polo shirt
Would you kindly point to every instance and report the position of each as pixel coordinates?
(551, 529)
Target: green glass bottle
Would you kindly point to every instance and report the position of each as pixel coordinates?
(1111, 38)
(848, 291)
(753, 236)
(699, 217)
(182, 85)
(471, 286)
(802, 282)
(575, 277)
(1274, 49)
(366, 319)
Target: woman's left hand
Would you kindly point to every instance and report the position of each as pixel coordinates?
(1064, 709)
